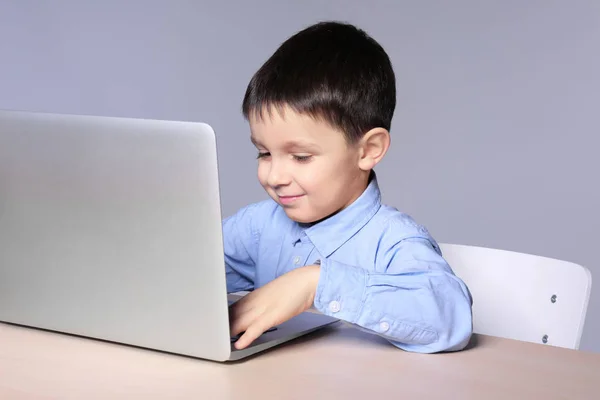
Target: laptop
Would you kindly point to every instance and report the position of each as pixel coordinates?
(111, 229)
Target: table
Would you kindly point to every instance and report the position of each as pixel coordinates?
(336, 362)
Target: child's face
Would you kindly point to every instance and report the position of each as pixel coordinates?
(305, 165)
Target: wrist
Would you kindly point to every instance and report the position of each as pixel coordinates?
(313, 274)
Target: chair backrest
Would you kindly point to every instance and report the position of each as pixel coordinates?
(522, 296)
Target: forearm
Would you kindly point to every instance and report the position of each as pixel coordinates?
(425, 311)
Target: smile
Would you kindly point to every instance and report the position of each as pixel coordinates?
(286, 200)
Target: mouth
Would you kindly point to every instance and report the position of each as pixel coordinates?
(286, 200)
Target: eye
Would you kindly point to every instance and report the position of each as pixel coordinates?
(263, 155)
(302, 158)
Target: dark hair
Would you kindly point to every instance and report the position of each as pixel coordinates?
(331, 71)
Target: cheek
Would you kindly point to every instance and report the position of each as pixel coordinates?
(331, 178)
(317, 178)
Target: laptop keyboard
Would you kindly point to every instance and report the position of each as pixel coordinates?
(236, 337)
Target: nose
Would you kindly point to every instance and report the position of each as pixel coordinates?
(278, 174)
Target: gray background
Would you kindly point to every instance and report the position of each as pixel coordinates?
(495, 135)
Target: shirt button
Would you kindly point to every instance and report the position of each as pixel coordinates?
(334, 306)
(384, 326)
(297, 260)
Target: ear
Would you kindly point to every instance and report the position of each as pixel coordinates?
(373, 147)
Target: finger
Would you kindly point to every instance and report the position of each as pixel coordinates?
(242, 317)
(240, 321)
(249, 304)
(251, 334)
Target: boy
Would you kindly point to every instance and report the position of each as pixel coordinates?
(320, 111)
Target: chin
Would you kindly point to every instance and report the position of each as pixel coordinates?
(300, 218)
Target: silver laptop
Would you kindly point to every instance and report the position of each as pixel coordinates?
(110, 228)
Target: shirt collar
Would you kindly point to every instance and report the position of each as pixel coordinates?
(330, 234)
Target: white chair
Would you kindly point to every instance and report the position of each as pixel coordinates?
(522, 296)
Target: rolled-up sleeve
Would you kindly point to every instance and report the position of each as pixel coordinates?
(412, 298)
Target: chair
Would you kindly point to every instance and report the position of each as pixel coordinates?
(522, 296)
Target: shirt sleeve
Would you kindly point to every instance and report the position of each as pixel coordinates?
(413, 298)
(240, 245)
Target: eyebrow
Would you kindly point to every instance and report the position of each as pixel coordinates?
(300, 145)
(291, 145)
(254, 141)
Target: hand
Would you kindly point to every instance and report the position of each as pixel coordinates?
(276, 302)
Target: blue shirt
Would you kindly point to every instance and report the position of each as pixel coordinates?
(380, 270)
